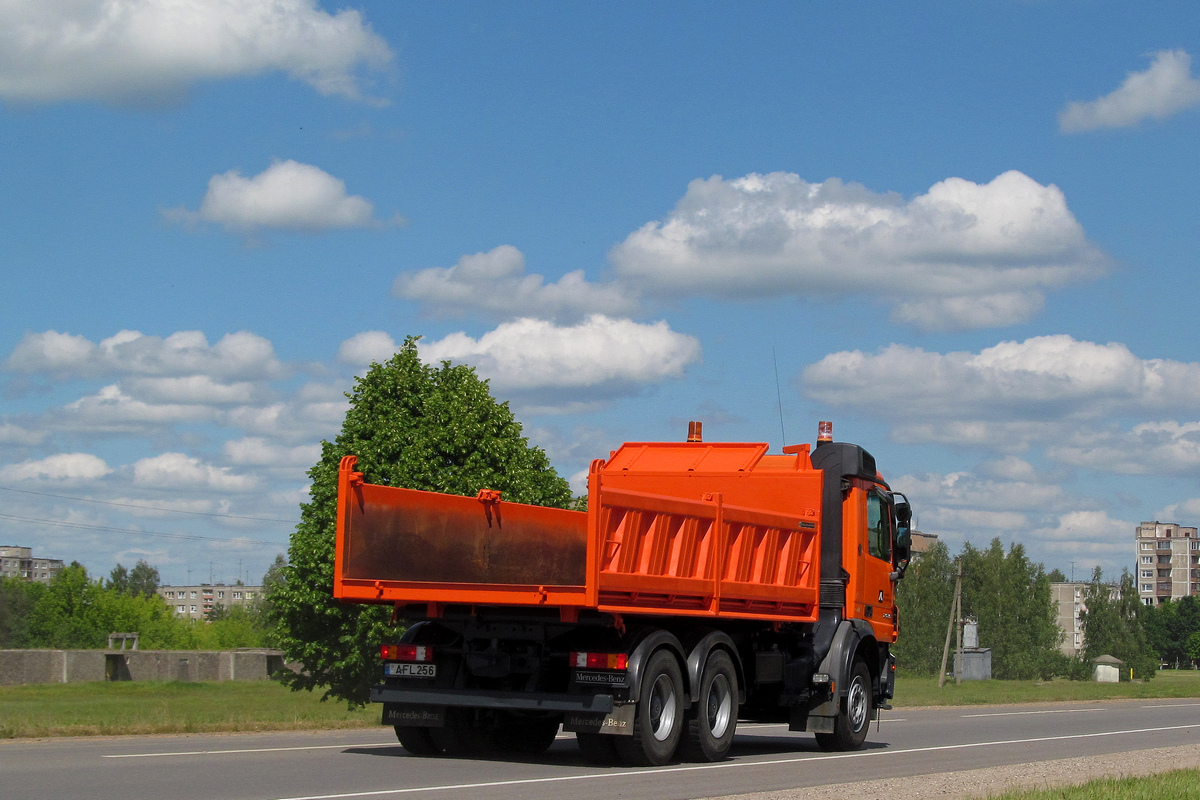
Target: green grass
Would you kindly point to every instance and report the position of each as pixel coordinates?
(915, 692)
(1180, 784)
(91, 709)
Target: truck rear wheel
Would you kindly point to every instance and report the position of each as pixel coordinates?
(712, 720)
(658, 721)
(854, 718)
(416, 740)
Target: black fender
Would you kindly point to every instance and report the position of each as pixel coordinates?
(643, 644)
(698, 653)
(848, 641)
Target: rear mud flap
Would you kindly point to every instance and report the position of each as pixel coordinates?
(619, 722)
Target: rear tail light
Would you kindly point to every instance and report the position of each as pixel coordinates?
(406, 652)
(599, 660)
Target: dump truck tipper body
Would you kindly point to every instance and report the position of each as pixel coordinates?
(706, 582)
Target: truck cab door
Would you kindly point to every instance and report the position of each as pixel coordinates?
(876, 594)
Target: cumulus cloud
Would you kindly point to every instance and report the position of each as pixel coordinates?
(1150, 448)
(366, 348)
(112, 411)
(180, 471)
(237, 355)
(315, 411)
(1087, 533)
(599, 358)
(496, 283)
(147, 52)
(1008, 392)
(20, 435)
(1161, 91)
(63, 467)
(258, 452)
(962, 490)
(961, 255)
(287, 195)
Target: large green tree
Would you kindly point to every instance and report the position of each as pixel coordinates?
(1010, 597)
(415, 426)
(1113, 625)
(923, 598)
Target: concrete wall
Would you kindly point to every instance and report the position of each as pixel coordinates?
(71, 666)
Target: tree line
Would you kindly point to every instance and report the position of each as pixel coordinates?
(76, 611)
(1010, 598)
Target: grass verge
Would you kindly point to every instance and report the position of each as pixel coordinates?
(96, 709)
(93, 709)
(1180, 784)
(912, 692)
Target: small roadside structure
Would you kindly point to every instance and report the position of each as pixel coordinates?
(1106, 669)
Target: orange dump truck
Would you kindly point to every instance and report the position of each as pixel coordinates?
(708, 582)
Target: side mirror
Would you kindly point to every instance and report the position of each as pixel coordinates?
(902, 546)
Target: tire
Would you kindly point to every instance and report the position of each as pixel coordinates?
(658, 722)
(416, 740)
(854, 717)
(598, 748)
(711, 722)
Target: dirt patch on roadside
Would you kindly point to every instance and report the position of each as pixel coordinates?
(995, 780)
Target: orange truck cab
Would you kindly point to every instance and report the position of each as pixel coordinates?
(708, 582)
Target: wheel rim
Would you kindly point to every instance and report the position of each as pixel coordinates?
(663, 708)
(856, 705)
(719, 706)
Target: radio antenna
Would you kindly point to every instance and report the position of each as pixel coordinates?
(779, 397)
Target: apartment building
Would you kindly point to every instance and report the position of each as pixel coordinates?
(1168, 562)
(19, 562)
(194, 602)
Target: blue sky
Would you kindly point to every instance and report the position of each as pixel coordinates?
(966, 233)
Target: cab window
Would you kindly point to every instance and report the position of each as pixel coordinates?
(879, 528)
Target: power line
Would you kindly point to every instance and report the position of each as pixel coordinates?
(148, 508)
(85, 526)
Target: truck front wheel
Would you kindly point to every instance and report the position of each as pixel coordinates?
(854, 718)
(416, 740)
(713, 719)
(658, 722)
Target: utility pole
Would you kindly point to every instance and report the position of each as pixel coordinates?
(955, 615)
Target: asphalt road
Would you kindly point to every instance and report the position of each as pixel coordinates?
(369, 764)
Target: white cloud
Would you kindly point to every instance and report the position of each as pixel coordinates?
(146, 52)
(64, 467)
(1039, 380)
(367, 347)
(237, 355)
(496, 283)
(193, 389)
(1161, 91)
(314, 412)
(256, 451)
(1149, 448)
(179, 471)
(596, 359)
(19, 435)
(112, 411)
(1092, 533)
(287, 195)
(961, 255)
(962, 490)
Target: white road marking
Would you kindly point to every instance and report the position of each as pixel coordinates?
(252, 750)
(1020, 713)
(1175, 705)
(654, 772)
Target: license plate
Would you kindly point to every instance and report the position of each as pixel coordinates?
(410, 670)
